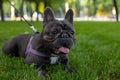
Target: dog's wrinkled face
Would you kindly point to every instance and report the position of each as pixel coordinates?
(59, 34)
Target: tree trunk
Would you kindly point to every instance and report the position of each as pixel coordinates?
(77, 8)
(94, 2)
(45, 3)
(116, 9)
(30, 9)
(37, 7)
(22, 9)
(1, 10)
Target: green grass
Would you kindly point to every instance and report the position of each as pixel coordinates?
(95, 55)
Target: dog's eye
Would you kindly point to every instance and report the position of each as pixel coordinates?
(72, 32)
(54, 32)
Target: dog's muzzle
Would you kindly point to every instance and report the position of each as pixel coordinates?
(64, 43)
(64, 35)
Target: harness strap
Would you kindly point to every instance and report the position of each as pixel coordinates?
(29, 24)
(29, 49)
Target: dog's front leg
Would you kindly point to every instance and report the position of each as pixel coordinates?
(42, 72)
(65, 61)
(40, 63)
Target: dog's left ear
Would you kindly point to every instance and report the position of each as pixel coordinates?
(69, 16)
(48, 16)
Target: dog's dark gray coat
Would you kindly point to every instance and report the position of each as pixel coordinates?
(55, 34)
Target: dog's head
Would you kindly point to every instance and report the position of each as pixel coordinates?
(59, 34)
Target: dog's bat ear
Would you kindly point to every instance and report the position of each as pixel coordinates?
(69, 16)
(48, 16)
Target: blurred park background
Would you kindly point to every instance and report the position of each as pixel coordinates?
(101, 10)
(96, 53)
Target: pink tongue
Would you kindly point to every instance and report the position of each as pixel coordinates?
(64, 49)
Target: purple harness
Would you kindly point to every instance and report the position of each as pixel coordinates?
(29, 49)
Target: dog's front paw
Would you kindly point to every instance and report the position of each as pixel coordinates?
(43, 74)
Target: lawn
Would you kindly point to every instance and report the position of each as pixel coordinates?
(95, 55)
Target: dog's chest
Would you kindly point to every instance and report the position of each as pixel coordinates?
(54, 59)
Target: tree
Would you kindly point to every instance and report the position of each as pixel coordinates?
(116, 9)
(77, 3)
(37, 8)
(94, 4)
(54, 4)
(1, 10)
(46, 3)
(21, 9)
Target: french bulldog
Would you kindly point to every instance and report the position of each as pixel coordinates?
(56, 39)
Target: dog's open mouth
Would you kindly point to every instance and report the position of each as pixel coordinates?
(63, 50)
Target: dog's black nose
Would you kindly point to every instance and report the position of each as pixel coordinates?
(64, 35)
